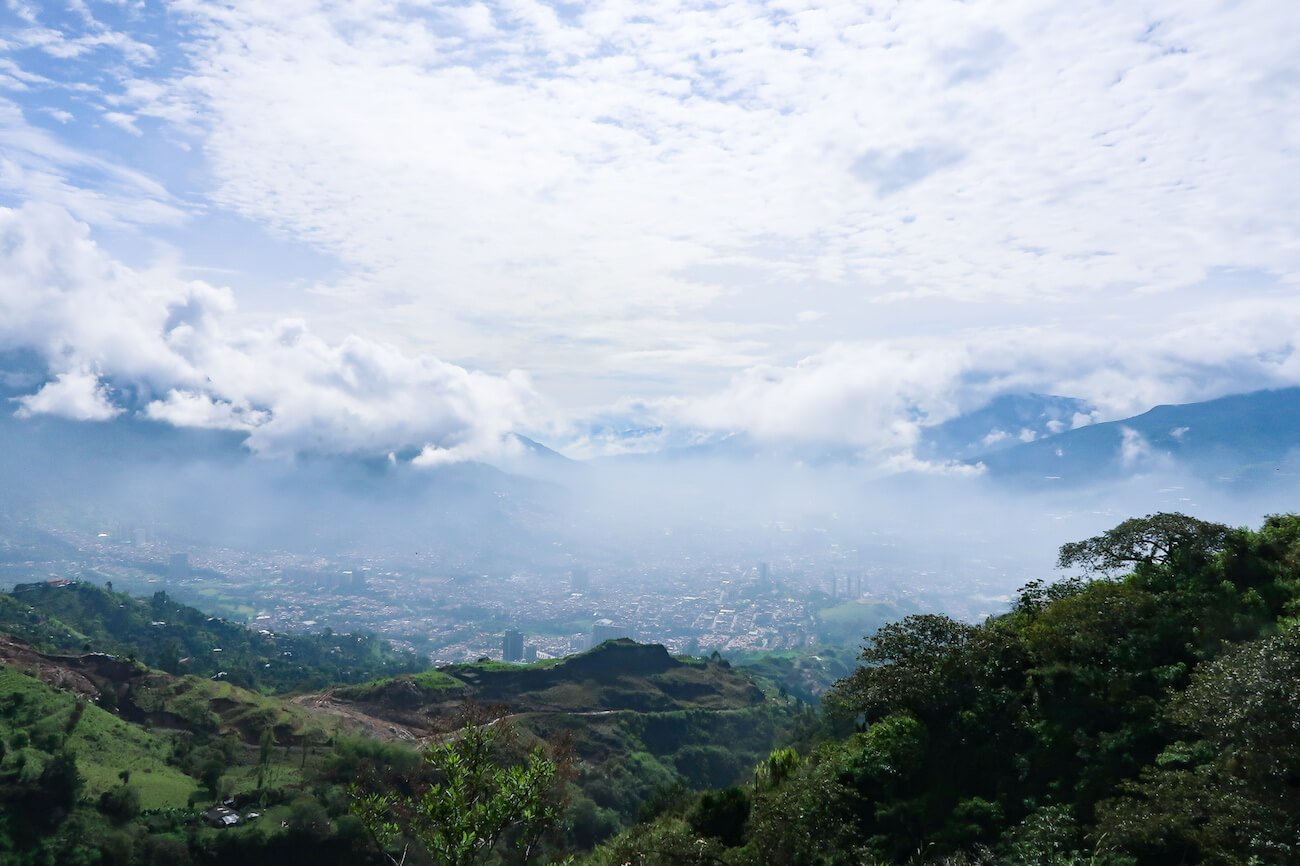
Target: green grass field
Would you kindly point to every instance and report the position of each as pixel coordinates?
(104, 744)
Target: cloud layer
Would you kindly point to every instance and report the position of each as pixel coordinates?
(878, 396)
(518, 161)
(830, 222)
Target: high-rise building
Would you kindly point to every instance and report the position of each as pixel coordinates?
(512, 646)
(606, 629)
(178, 566)
(579, 579)
(764, 573)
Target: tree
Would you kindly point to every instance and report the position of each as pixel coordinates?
(1230, 789)
(907, 664)
(265, 746)
(475, 802)
(721, 815)
(121, 804)
(1151, 540)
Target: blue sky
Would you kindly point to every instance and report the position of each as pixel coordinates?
(383, 226)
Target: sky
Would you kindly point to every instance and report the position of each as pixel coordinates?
(382, 227)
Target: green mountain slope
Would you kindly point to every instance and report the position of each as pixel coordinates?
(48, 719)
(79, 616)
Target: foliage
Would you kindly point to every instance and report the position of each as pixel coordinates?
(721, 815)
(1113, 719)
(1155, 539)
(476, 801)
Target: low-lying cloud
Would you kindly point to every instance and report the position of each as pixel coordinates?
(118, 339)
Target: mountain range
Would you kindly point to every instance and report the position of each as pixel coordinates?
(1242, 439)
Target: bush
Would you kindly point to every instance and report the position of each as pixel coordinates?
(121, 804)
(721, 815)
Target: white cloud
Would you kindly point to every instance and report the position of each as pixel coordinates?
(35, 166)
(75, 394)
(928, 203)
(125, 122)
(995, 436)
(1134, 449)
(196, 409)
(166, 345)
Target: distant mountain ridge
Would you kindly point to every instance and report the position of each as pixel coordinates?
(1004, 422)
(1241, 439)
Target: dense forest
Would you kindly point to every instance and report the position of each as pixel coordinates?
(1142, 711)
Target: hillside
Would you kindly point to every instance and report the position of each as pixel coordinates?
(163, 702)
(637, 723)
(804, 674)
(1142, 712)
(617, 675)
(1004, 422)
(197, 486)
(82, 617)
(37, 719)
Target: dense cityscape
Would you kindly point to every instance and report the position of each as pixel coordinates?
(694, 605)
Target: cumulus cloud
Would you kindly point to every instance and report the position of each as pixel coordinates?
(75, 394)
(165, 347)
(879, 396)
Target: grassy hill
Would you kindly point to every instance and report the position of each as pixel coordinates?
(844, 623)
(161, 701)
(46, 719)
